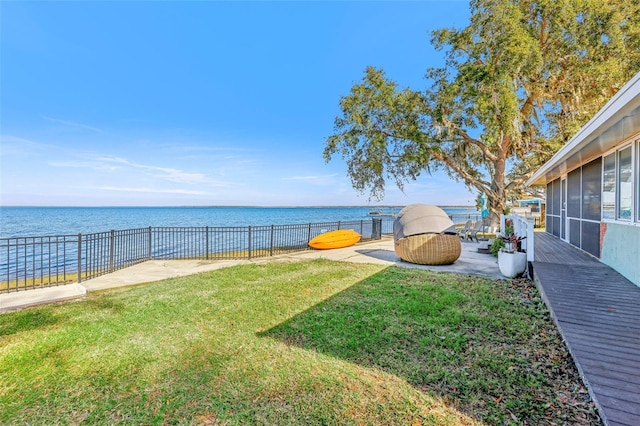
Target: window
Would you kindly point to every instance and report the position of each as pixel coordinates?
(625, 187)
(574, 200)
(591, 189)
(638, 182)
(609, 187)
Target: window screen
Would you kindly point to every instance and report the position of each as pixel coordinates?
(549, 207)
(591, 187)
(573, 193)
(555, 226)
(555, 207)
(591, 238)
(574, 232)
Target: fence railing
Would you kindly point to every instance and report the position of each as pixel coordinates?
(522, 227)
(463, 217)
(45, 261)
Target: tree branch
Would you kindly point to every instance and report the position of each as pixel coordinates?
(479, 184)
(483, 147)
(518, 181)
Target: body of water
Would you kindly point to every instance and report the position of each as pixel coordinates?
(39, 221)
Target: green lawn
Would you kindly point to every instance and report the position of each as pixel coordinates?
(316, 342)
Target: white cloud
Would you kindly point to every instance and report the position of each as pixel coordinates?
(84, 164)
(201, 148)
(313, 179)
(152, 190)
(71, 124)
(167, 173)
(16, 146)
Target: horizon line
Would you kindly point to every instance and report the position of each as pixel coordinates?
(228, 206)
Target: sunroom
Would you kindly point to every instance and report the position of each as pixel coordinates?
(593, 185)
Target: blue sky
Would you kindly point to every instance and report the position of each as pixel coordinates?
(200, 103)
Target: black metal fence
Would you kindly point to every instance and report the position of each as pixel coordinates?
(461, 218)
(34, 262)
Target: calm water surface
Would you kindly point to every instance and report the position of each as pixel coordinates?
(37, 221)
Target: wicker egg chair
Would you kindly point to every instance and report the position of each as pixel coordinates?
(429, 249)
(425, 235)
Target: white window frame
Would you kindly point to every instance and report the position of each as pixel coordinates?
(634, 219)
(613, 153)
(637, 181)
(619, 192)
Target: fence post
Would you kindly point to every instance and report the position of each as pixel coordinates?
(523, 227)
(376, 229)
(249, 245)
(79, 258)
(149, 240)
(309, 235)
(519, 227)
(531, 240)
(271, 243)
(206, 241)
(111, 249)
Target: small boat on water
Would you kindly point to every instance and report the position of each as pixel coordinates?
(335, 239)
(384, 211)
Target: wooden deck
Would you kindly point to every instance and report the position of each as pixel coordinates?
(597, 311)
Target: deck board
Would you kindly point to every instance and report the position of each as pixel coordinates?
(597, 311)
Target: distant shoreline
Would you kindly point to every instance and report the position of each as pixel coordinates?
(385, 206)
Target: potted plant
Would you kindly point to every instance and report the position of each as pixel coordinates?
(511, 261)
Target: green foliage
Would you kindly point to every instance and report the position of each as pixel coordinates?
(518, 83)
(508, 230)
(479, 202)
(508, 227)
(497, 244)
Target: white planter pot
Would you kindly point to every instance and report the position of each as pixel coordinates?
(486, 244)
(512, 264)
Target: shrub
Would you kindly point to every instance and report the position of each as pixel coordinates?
(498, 243)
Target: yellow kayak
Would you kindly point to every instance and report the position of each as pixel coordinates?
(335, 239)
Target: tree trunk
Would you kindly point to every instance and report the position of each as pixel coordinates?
(498, 196)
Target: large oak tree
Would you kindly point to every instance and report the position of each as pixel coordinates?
(519, 81)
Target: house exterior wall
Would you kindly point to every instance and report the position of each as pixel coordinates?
(576, 202)
(593, 184)
(620, 249)
(574, 205)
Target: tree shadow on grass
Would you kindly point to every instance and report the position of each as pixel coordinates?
(26, 320)
(466, 340)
